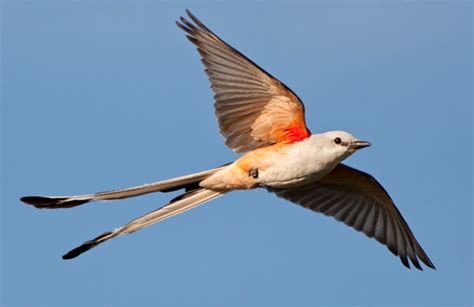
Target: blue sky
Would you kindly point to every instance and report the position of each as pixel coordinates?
(98, 95)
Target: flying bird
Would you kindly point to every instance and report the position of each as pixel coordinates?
(264, 120)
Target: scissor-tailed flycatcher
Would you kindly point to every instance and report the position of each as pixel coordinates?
(261, 117)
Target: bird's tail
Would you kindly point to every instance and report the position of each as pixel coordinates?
(189, 182)
(180, 204)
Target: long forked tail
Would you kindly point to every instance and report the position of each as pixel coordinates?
(188, 182)
(176, 206)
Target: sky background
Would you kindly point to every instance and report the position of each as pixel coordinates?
(98, 95)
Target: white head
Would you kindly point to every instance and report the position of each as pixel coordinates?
(335, 146)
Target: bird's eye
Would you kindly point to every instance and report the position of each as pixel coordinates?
(337, 140)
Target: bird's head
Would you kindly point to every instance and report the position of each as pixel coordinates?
(337, 145)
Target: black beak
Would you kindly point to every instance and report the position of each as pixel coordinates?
(359, 144)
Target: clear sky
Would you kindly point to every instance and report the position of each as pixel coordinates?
(98, 95)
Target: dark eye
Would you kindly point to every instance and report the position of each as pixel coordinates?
(337, 140)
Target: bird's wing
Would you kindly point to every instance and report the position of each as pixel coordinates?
(358, 200)
(253, 108)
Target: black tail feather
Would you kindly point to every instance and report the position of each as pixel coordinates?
(87, 246)
(52, 202)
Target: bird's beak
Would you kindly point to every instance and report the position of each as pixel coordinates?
(359, 144)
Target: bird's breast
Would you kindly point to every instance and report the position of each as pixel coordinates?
(297, 164)
(279, 165)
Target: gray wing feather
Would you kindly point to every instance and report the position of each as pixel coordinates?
(358, 200)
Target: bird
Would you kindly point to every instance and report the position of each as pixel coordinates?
(263, 120)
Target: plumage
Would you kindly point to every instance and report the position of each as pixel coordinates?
(176, 206)
(353, 197)
(261, 117)
(59, 202)
(244, 92)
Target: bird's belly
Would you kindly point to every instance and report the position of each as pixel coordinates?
(291, 174)
(293, 167)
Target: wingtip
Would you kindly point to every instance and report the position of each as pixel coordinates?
(417, 264)
(188, 12)
(427, 261)
(183, 19)
(423, 256)
(431, 265)
(405, 261)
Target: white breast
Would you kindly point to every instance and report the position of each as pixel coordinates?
(298, 164)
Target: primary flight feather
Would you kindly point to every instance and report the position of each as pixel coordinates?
(261, 117)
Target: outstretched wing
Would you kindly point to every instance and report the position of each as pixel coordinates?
(358, 200)
(253, 108)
